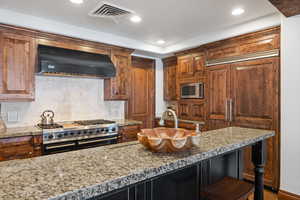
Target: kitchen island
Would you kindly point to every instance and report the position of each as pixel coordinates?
(129, 171)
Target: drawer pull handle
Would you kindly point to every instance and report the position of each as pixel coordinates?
(100, 140)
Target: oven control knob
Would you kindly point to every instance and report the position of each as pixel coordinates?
(66, 134)
(90, 132)
(113, 129)
(84, 132)
(59, 135)
(72, 133)
(98, 131)
(50, 137)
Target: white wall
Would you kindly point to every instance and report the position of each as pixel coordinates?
(69, 98)
(290, 105)
(160, 103)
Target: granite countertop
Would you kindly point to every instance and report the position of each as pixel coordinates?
(79, 175)
(21, 131)
(184, 120)
(128, 122)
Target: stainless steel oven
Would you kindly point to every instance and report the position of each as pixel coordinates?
(192, 91)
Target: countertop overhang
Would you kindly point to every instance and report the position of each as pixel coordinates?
(83, 174)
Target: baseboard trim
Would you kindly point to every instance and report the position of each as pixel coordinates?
(283, 195)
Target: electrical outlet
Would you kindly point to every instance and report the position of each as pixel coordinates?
(12, 116)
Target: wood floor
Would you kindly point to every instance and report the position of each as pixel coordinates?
(268, 196)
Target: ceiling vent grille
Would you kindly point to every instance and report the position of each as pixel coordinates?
(109, 10)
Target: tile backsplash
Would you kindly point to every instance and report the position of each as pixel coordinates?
(70, 98)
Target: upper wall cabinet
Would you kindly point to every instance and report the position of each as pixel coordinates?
(263, 41)
(117, 88)
(17, 65)
(222, 51)
(170, 70)
(190, 65)
(246, 44)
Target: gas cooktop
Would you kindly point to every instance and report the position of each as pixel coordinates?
(94, 122)
(78, 130)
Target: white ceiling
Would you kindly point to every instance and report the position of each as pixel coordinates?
(170, 20)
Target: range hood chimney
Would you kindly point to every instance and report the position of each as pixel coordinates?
(64, 62)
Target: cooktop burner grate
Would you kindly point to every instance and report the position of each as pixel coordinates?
(50, 126)
(94, 122)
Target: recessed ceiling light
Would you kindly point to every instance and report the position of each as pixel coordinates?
(161, 42)
(77, 1)
(136, 19)
(238, 11)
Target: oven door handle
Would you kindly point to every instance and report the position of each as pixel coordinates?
(99, 140)
(59, 146)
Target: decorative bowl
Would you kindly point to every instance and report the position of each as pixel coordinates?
(168, 139)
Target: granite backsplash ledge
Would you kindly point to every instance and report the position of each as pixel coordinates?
(21, 131)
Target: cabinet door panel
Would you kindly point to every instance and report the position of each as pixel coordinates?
(121, 81)
(185, 67)
(259, 43)
(117, 88)
(219, 93)
(17, 148)
(253, 91)
(17, 67)
(170, 91)
(129, 133)
(183, 110)
(223, 51)
(197, 111)
(255, 103)
(199, 63)
(181, 185)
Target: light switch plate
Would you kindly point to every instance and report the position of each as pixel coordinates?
(12, 116)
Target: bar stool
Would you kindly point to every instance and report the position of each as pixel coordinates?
(228, 189)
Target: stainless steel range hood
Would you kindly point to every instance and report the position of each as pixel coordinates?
(64, 62)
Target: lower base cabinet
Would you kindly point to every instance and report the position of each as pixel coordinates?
(182, 184)
(20, 147)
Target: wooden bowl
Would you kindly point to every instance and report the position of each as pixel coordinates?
(168, 139)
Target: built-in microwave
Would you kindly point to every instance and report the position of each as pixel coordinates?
(192, 91)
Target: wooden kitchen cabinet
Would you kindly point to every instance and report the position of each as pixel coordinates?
(191, 65)
(255, 102)
(117, 88)
(185, 67)
(192, 110)
(129, 133)
(17, 66)
(260, 42)
(218, 96)
(221, 50)
(250, 43)
(246, 94)
(20, 147)
(170, 73)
